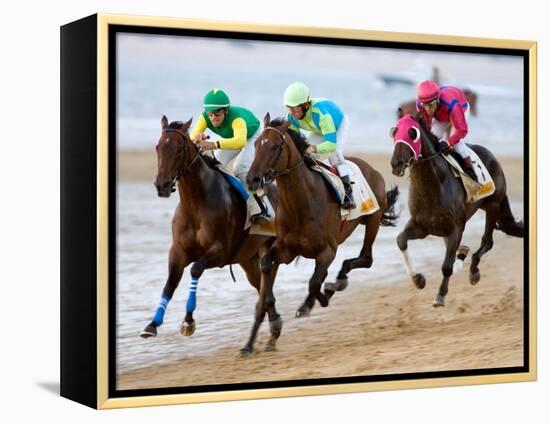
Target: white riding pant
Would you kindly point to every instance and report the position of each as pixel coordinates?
(243, 158)
(440, 129)
(335, 158)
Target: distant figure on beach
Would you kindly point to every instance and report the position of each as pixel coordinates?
(328, 127)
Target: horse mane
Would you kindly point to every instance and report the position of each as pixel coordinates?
(434, 140)
(297, 137)
(211, 162)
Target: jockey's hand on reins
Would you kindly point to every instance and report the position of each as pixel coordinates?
(444, 147)
(309, 159)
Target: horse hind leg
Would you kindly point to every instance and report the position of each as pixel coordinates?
(491, 216)
(364, 260)
(176, 263)
(452, 242)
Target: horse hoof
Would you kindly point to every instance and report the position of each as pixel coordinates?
(340, 285)
(419, 280)
(462, 252)
(303, 312)
(271, 345)
(275, 327)
(474, 278)
(245, 352)
(187, 329)
(150, 331)
(439, 301)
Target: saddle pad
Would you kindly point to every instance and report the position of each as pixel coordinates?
(474, 191)
(362, 192)
(251, 206)
(234, 182)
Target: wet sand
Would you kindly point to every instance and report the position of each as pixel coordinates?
(370, 328)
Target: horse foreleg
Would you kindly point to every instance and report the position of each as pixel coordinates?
(254, 276)
(266, 302)
(322, 263)
(452, 242)
(491, 216)
(411, 231)
(210, 259)
(364, 260)
(177, 261)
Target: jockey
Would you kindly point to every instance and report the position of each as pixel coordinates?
(444, 108)
(237, 128)
(328, 127)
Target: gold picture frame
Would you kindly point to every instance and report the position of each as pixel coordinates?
(88, 241)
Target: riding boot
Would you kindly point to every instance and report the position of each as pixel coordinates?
(348, 199)
(469, 168)
(262, 217)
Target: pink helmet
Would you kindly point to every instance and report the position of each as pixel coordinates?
(428, 91)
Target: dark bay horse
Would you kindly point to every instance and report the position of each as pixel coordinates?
(208, 223)
(409, 107)
(308, 220)
(437, 201)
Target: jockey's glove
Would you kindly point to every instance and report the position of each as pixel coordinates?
(444, 147)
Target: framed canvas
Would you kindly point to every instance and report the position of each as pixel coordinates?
(425, 281)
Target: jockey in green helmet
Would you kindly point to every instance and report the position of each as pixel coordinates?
(237, 127)
(328, 127)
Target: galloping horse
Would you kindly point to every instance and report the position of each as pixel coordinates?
(437, 201)
(208, 224)
(409, 107)
(308, 220)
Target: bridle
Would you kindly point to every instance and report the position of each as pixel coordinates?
(182, 171)
(271, 174)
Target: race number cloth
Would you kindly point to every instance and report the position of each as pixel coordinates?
(362, 193)
(474, 191)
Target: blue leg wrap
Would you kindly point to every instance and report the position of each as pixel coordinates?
(192, 300)
(159, 315)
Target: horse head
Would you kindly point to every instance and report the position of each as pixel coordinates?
(174, 151)
(274, 151)
(407, 142)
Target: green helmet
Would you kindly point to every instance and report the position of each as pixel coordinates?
(215, 99)
(296, 94)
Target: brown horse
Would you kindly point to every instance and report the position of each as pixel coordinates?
(308, 220)
(409, 107)
(437, 201)
(208, 224)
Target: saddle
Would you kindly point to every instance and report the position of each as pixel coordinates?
(362, 192)
(474, 191)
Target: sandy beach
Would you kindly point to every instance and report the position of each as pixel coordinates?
(369, 329)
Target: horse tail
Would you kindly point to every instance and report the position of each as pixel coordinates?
(390, 215)
(506, 221)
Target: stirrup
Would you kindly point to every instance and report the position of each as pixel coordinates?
(348, 203)
(259, 219)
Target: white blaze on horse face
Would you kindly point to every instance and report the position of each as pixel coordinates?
(407, 261)
(262, 142)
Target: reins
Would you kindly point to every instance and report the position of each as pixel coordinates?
(271, 173)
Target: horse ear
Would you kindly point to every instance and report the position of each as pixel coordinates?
(164, 122)
(286, 125)
(400, 113)
(414, 133)
(393, 131)
(267, 120)
(186, 125)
